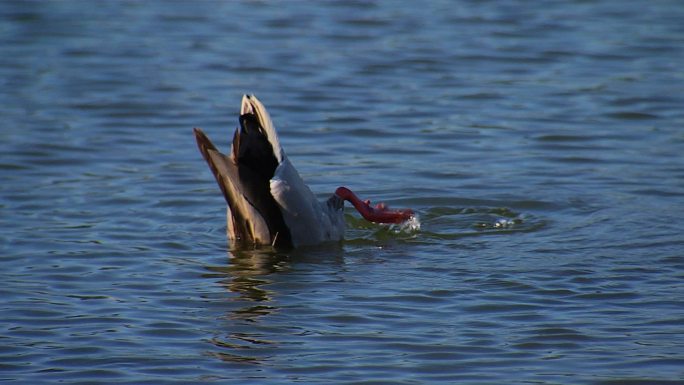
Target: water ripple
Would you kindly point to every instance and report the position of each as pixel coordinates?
(539, 146)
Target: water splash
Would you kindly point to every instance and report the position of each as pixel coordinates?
(411, 225)
(500, 223)
(506, 223)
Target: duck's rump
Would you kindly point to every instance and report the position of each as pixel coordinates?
(254, 217)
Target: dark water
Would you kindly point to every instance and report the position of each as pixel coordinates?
(542, 145)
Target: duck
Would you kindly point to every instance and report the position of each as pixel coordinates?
(268, 202)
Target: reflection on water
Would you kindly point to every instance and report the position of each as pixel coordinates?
(248, 270)
(245, 275)
(248, 277)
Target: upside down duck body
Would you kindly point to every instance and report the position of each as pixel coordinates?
(268, 202)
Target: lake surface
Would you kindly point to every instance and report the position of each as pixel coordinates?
(541, 144)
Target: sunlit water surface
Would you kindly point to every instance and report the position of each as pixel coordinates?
(541, 144)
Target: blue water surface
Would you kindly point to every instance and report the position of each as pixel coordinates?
(540, 143)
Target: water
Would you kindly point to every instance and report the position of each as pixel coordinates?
(540, 144)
